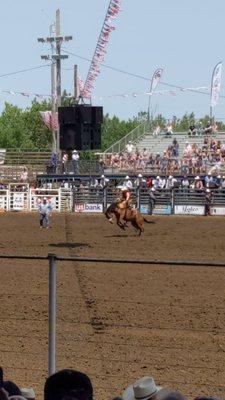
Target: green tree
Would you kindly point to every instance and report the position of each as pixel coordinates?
(40, 137)
(114, 129)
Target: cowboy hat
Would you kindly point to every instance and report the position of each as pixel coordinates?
(140, 175)
(28, 393)
(127, 177)
(124, 188)
(144, 389)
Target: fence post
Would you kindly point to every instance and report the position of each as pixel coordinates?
(52, 314)
(172, 200)
(104, 198)
(138, 197)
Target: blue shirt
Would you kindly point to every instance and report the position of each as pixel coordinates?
(45, 208)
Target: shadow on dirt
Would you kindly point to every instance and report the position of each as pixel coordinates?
(121, 236)
(69, 245)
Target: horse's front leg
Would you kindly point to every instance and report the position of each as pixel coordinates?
(119, 222)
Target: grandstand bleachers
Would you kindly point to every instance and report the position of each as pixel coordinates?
(157, 144)
(21, 157)
(149, 150)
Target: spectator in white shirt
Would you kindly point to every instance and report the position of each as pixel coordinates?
(185, 183)
(159, 183)
(170, 182)
(103, 181)
(75, 159)
(223, 182)
(128, 183)
(169, 129)
(129, 147)
(156, 131)
(24, 175)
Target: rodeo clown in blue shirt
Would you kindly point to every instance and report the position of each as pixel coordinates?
(45, 209)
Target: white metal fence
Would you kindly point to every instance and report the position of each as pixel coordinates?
(96, 200)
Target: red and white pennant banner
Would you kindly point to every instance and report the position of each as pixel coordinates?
(100, 50)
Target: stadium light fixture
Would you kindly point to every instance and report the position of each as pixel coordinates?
(41, 40)
(45, 57)
(57, 57)
(67, 38)
(50, 39)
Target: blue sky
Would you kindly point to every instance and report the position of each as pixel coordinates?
(185, 37)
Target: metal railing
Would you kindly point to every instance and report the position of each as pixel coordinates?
(166, 200)
(97, 199)
(82, 167)
(175, 166)
(136, 134)
(52, 285)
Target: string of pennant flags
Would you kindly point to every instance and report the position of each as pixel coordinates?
(86, 87)
(114, 96)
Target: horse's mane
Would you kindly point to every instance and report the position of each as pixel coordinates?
(112, 207)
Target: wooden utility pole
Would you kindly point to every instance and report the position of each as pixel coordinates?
(59, 40)
(55, 72)
(53, 92)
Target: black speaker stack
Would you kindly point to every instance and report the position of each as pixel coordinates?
(80, 127)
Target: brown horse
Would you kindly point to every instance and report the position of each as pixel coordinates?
(127, 215)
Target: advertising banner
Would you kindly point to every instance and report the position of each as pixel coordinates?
(144, 209)
(18, 201)
(156, 79)
(189, 210)
(216, 83)
(88, 207)
(217, 210)
(158, 210)
(162, 210)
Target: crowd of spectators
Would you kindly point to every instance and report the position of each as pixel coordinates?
(194, 159)
(185, 183)
(69, 384)
(198, 183)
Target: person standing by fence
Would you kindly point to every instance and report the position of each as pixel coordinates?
(64, 162)
(152, 200)
(44, 209)
(75, 161)
(208, 201)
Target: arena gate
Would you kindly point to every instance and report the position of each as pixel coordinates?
(53, 196)
(18, 197)
(4, 200)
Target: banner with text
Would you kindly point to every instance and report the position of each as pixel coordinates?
(189, 210)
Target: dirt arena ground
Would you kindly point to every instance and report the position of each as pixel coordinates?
(116, 322)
